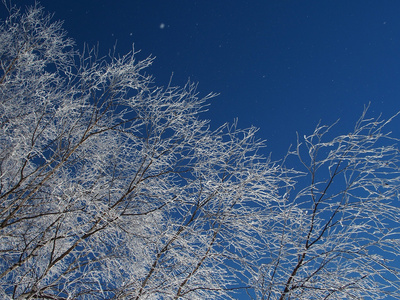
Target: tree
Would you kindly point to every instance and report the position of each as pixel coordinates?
(114, 188)
(339, 237)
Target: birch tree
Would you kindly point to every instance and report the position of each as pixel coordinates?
(114, 188)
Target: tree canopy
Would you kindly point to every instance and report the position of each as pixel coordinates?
(112, 187)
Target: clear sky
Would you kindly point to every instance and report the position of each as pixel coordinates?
(278, 65)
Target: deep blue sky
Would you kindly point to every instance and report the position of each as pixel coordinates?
(279, 65)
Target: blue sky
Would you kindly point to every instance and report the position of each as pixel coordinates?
(278, 65)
